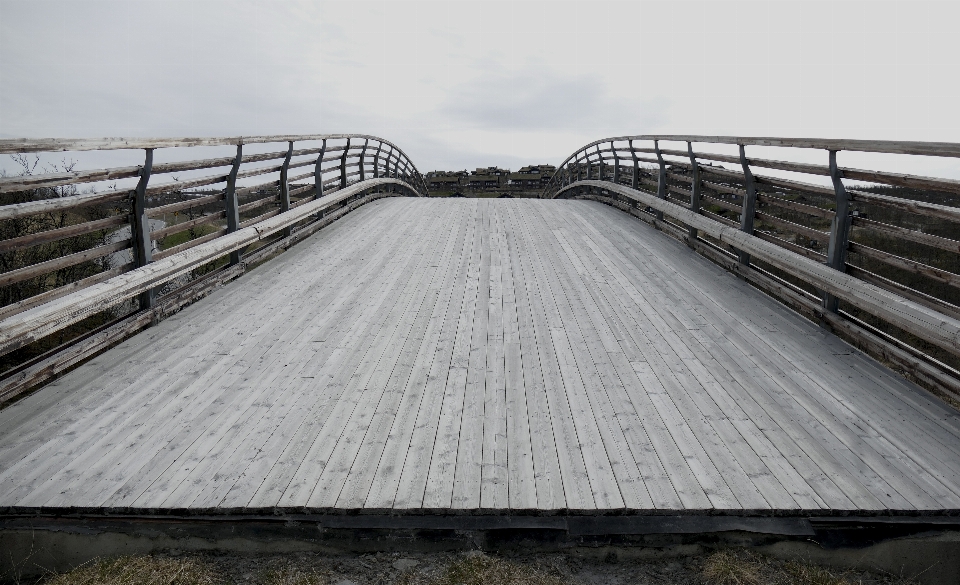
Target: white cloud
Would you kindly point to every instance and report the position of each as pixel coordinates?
(462, 84)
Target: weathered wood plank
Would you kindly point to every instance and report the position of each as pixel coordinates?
(593, 357)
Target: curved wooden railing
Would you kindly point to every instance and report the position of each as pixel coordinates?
(85, 258)
(878, 261)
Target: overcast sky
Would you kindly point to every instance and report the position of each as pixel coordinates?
(461, 84)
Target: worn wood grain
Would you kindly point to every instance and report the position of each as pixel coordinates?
(469, 356)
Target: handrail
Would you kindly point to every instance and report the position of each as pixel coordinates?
(908, 247)
(51, 220)
(931, 325)
(32, 324)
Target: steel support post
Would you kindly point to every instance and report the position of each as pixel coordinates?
(599, 164)
(343, 165)
(839, 231)
(616, 164)
(318, 172)
(231, 203)
(140, 228)
(285, 186)
(749, 210)
(694, 189)
(363, 154)
(662, 178)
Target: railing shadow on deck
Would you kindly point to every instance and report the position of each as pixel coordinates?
(877, 262)
(84, 264)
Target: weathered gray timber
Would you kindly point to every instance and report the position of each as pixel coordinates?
(58, 193)
(426, 355)
(889, 251)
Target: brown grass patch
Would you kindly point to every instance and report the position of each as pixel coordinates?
(139, 570)
(292, 576)
(484, 570)
(732, 568)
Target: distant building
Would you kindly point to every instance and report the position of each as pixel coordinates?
(489, 178)
(444, 180)
(532, 177)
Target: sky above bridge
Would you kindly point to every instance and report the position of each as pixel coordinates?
(459, 84)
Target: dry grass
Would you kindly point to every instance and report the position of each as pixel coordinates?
(726, 567)
(739, 567)
(484, 570)
(139, 570)
(807, 574)
(732, 568)
(292, 576)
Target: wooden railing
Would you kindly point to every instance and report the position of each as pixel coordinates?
(80, 257)
(880, 259)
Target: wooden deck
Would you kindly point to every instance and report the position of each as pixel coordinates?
(484, 355)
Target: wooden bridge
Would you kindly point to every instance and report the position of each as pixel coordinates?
(455, 361)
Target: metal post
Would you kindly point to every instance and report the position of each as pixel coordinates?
(363, 153)
(140, 229)
(616, 164)
(343, 166)
(694, 189)
(318, 172)
(232, 205)
(662, 180)
(749, 202)
(839, 231)
(599, 164)
(285, 186)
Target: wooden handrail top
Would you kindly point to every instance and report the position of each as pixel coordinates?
(21, 183)
(947, 149)
(23, 145)
(898, 179)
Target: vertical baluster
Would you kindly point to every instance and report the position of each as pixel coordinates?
(599, 164)
(363, 153)
(376, 161)
(318, 172)
(318, 175)
(579, 168)
(343, 166)
(232, 205)
(635, 180)
(616, 164)
(839, 230)
(694, 190)
(386, 167)
(285, 186)
(140, 228)
(662, 178)
(749, 210)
